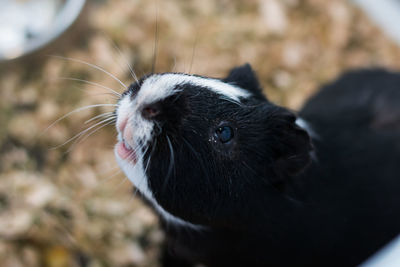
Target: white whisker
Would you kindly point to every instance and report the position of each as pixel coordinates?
(106, 114)
(110, 177)
(94, 66)
(133, 74)
(171, 161)
(108, 93)
(120, 184)
(174, 67)
(81, 133)
(101, 124)
(75, 111)
(151, 153)
(81, 138)
(92, 83)
(145, 170)
(193, 52)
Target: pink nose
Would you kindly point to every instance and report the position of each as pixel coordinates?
(125, 129)
(122, 124)
(128, 134)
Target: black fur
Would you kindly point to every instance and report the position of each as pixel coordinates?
(244, 77)
(261, 199)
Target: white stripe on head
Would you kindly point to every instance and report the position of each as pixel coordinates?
(160, 86)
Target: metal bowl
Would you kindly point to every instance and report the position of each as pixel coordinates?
(26, 26)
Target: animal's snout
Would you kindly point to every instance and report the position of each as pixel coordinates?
(122, 125)
(125, 130)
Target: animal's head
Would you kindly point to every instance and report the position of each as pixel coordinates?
(202, 149)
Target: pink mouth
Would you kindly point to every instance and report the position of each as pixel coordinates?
(126, 153)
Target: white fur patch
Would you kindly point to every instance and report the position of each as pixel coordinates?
(160, 86)
(136, 174)
(141, 129)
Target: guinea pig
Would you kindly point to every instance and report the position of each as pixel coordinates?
(240, 181)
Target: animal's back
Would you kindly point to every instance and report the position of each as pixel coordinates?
(354, 182)
(349, 198)
(368, 99)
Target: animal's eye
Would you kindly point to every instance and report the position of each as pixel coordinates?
(224, 138)
(224, 134)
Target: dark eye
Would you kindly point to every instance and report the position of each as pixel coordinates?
(224, 134)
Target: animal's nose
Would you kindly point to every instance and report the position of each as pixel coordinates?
(122, 124)
(151, 111)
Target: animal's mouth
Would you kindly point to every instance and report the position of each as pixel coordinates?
(126, 152)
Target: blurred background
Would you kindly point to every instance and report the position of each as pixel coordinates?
(69, 205)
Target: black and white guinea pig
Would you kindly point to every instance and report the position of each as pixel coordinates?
(240, 181)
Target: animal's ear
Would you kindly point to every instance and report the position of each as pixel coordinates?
(291, 146)
(244, 77)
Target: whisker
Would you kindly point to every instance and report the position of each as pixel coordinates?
(120, 184)
(133, 74)
(151, 154)
(75, 111)
(132, 197)
(174, 67)
(193, 52)
(159, 128)
(147, 165)
(148, 161)
(81, 133)
(95, 67)
(171, 162)
(137, 149)
(113, 96)
(92, 83)
(155, 42)
(106, 114)
(112, 176)
(196, 154)
(82, 138)
(110, 94)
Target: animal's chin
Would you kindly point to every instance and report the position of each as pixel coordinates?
(126, 153)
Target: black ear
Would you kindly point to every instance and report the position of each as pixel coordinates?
(244, 77)
(292, 146)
